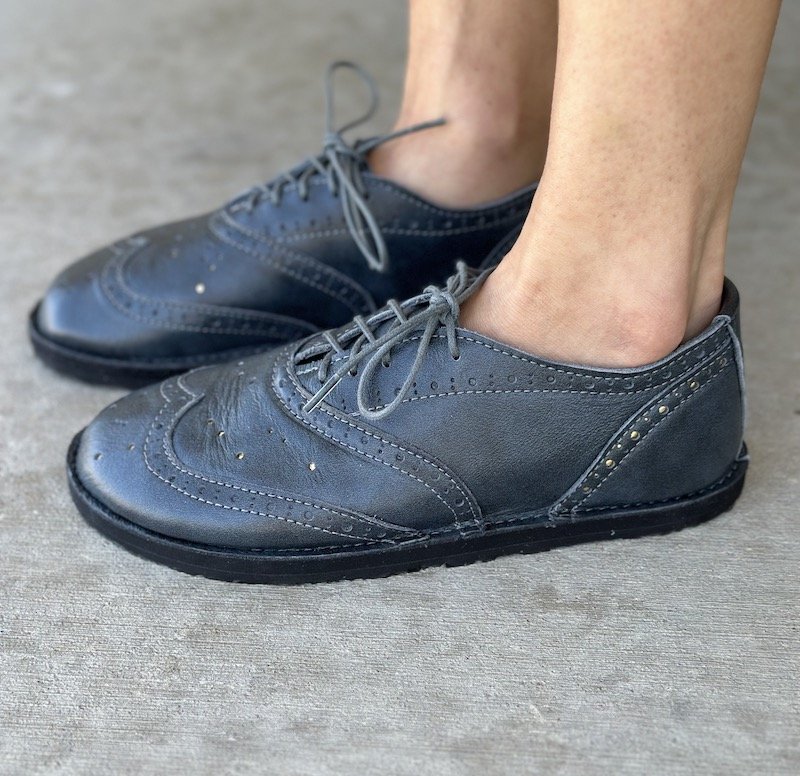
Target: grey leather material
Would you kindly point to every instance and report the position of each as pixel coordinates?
(484, 436)
(239, 279)
(306, 251)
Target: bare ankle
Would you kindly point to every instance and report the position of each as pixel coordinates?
(577, 318)
(458, 166)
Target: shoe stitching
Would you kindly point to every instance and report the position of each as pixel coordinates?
(728, 475)
(358, 294)
(467, 498)
(380, 460)
(427, 535)
(300, 328)
(359, 301)
(667, 368)
(184, 492)
(170, 325)
(444, 394)
(124, 258)
(295, 275)
(644, 435)
(499, 214)
(295, 550)
(448, 394)
(493, 524)
(701, 491)
(172, 457)
(572, 499)
(509, 204)
(499, 208)
(600, 375)
(710, 342)
(299, 236)
(251, 550)
(588, 510)
(173, 460)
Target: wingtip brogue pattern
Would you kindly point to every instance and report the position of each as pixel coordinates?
(404, 440)
(306, 251)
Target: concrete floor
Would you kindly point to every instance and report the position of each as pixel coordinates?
(670, 655)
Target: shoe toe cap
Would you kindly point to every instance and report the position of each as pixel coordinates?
(119, 461)
(74, 312)
(92, 310)
(130, 460)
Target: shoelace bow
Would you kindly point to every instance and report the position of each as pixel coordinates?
(342, 165)
(431, 310)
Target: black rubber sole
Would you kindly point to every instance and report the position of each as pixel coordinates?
(234, 565)
(124, 373)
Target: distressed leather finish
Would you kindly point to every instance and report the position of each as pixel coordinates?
(269, 453)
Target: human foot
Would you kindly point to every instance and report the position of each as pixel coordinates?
(456, 167)
(403, 441)
(307, 251)
(570, 319)
(488, 69)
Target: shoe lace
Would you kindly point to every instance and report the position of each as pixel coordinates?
(371, 341)
(341, 164)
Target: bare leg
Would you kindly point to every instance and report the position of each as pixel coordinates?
(487, 67)
(622, 256)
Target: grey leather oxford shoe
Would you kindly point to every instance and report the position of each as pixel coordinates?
(402, 441)
(307, 251)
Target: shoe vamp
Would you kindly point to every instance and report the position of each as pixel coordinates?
(146, 460)
(186, 262)
(233, 429)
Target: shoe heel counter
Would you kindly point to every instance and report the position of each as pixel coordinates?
(684, 441)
